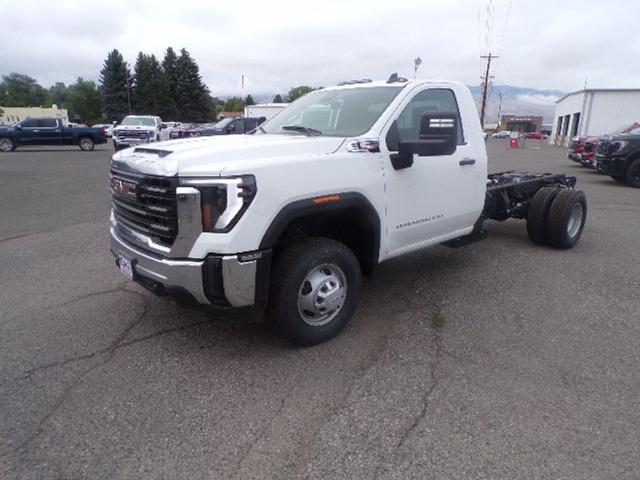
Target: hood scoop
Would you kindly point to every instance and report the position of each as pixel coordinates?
(153, 151)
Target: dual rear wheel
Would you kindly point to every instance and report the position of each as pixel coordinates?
(556, 217)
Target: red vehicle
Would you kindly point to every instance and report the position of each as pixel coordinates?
(583, 149)
(535, 136)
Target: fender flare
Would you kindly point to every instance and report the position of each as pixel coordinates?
(314, 205)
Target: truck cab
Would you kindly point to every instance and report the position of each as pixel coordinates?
(291, 217)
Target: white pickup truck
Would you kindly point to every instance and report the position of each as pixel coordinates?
(138, 129)
(290, 217)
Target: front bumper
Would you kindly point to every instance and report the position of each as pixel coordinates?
(219, 280)
(132, 141)
(614, 166)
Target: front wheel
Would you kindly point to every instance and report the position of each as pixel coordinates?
(315, 290)
(633, 174)
(7, 145)
(86, 144)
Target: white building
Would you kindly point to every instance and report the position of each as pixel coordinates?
(594, 112)
(11, 115)
(267, 110)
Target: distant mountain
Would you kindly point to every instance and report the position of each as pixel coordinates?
(518, 101)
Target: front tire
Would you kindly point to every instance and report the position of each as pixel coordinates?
(633, 174)
(7, 144)
(315, 290)
(86, 144)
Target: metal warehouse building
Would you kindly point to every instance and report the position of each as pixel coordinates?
(594, 112)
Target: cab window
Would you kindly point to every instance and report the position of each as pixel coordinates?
(47, 123)
(428, 101)
(31, 123)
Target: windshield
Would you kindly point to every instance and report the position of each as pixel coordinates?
(223, 123)
(340, 113)
(138, 122)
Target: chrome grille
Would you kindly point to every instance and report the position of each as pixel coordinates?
(146, 204)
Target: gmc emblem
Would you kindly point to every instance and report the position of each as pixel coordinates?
(123, 188)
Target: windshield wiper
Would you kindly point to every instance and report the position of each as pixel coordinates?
(299, 128)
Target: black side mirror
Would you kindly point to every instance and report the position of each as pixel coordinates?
(438, 136)
(18, 127)
(163, 126)
(231, 128)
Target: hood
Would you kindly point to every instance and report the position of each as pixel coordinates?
(134, 127)
(201, 156)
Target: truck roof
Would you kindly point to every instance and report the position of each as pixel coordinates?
(383, 83)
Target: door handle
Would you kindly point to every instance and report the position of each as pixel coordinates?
(467, 161)
(35, 131)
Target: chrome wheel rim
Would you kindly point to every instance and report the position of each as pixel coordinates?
(85, 144)
(322, 294)
(575, 220)
(6, 145)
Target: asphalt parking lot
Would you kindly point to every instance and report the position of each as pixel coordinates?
(500, 360)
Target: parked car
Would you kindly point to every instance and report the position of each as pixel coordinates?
(619, 157)
(227, 126)
(535, 136)
(137, 129)
(49, 131)
(502, 134)
(108, 128)
(344, 178)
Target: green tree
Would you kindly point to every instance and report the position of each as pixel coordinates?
(115, 83)
(85, 102)
(19, 90)
(278, 99)
(59, 94)
(151, 90)
(297, 92)
(249, 100)
(170, 69)
(233, 104)
(192, 97)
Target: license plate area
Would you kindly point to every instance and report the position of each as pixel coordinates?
(126, 266)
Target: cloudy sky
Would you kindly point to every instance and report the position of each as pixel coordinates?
(277, 44)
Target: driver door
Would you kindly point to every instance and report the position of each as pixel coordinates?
(436, 198)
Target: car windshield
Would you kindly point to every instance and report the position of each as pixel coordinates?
(137, 122)
(340, 113)
(223, 123)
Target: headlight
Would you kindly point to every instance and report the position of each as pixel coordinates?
(223, 201)
(619, 145)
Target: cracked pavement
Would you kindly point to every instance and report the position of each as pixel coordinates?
(534, 375)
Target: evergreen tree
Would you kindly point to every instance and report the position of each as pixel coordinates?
(249, 100)
(233, 104)
(84, 101)
(170, 68)
(278, 99)
(151, 91)
(192, 95)
(115, 84)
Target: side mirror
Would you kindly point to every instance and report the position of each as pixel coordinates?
(18, 127)
(163, 126)
(438, 136)
(231, 128)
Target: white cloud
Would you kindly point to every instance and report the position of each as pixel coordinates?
(279, 44)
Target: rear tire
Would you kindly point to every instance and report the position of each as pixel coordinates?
(315, 290)
(633, 174)
(566, 218)
(7, 144)
(537, 216)
(86, 144)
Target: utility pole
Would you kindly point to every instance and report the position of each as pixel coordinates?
(485, 86)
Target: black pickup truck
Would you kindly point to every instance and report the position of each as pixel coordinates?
(619, 157)
(49, 131)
